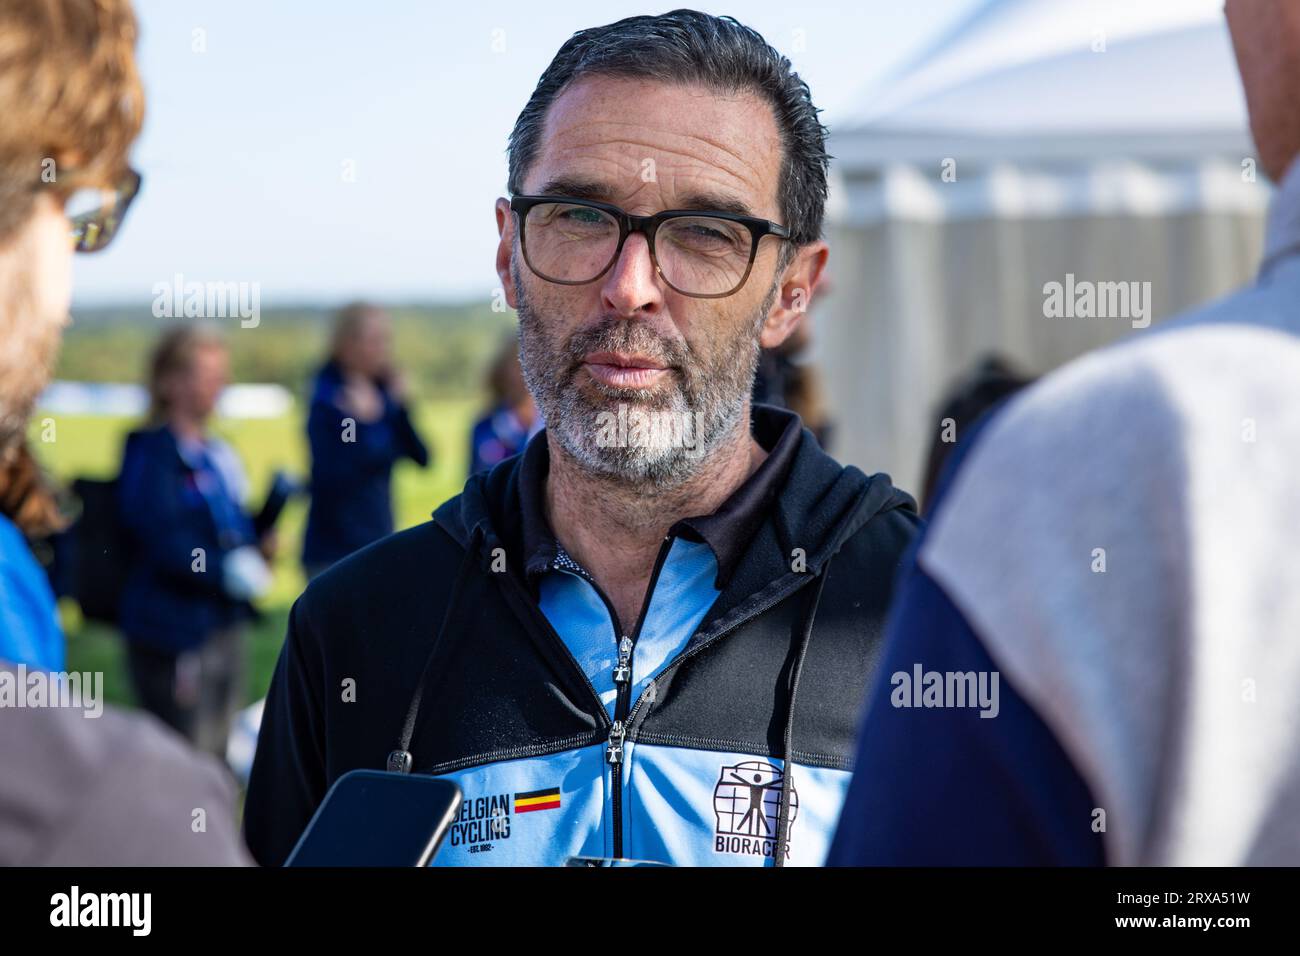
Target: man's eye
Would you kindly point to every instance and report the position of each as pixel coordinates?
(704, 232)
(702, 235)
(582, 217)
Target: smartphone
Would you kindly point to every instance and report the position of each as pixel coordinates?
(377, 818)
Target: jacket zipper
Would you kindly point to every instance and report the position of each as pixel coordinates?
(630, 719)
(623, 681)
(624, 714)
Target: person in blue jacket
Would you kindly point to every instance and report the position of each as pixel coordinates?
(29, 624)
(196, 561)
(505, 428)
(358, 428)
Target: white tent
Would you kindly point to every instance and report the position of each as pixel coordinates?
(1103, 140)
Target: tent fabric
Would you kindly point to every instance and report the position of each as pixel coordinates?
(954, 208)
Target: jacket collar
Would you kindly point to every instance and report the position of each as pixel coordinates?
(812, 504)
(727, 531)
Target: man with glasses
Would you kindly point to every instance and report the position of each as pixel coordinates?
(89, 785)
(648, 635)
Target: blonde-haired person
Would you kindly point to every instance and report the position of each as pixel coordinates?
(358, 428)
(196, 560)
(117, 789)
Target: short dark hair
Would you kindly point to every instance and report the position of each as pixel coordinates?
(720, 53)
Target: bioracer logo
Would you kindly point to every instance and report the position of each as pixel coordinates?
(746, 803)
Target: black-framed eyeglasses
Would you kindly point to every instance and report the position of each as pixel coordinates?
(96, 214)
(707, 255)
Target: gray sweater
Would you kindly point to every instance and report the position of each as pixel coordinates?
(120, 789)
(1124, 541)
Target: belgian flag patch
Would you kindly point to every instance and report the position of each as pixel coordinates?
(537, 800)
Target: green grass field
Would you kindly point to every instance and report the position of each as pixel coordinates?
(91, 446)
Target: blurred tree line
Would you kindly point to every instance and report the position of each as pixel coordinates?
(442, 349)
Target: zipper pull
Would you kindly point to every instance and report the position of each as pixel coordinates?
(614, 752)
(623, 672)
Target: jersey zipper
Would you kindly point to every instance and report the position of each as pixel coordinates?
(625, 715)
(623, 682)
(630, 720)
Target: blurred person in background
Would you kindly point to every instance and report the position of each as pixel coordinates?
(512, 419)
(784, 381)
(357, 429)
(993, 380)
(1117, 547)
(118, 789)
(196, 561)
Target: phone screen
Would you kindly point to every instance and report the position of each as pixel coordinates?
(376, 818)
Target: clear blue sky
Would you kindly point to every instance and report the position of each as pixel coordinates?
(244, 145)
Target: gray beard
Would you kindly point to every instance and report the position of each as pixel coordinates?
(650, 438)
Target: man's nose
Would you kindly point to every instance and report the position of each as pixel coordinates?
(632, 284)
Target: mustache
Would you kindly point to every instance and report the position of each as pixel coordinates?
(626, 335)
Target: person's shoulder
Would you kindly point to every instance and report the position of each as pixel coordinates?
(485, 425)
(14, 553)
(393, 569)
(864, 516)
(149, 439)
(1144, 391)
(29, 627)
(1269, 303)
(141, 741)
(325, 386)
(1120, 439)
(874, 495)
(129, 791)
(883, 528)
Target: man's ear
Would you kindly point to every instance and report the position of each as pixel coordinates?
(505, 247)
(795, 293)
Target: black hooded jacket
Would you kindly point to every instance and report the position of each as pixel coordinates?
(430, 642)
